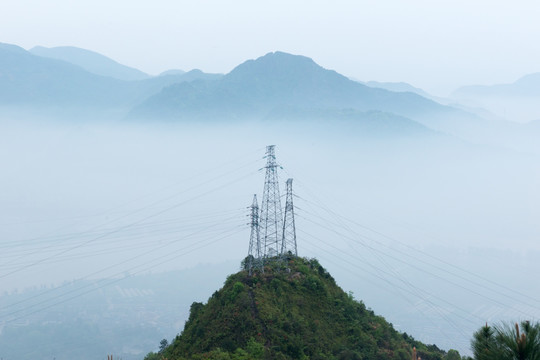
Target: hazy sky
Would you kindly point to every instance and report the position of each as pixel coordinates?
(436, 45)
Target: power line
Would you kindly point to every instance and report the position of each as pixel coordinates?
(161, 259)
(123, 227)
(141, 255)
(417, 259)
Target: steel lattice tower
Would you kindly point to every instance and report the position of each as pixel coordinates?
(271, 214)
(288, 243)
(254, 253)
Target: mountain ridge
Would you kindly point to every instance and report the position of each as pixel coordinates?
(90, 61)
(516, 101)
(527, 85)
(278, 79)
(59, 88)
(255, 90)
(30, 79)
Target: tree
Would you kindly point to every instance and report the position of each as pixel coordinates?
(483, 344)
(452, 355)
(163, 345)
(519, 345)
(507, 342)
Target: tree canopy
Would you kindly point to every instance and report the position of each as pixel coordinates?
(507, 342)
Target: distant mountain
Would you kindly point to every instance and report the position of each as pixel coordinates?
(90, 61)
(172, 72)
(59, 88)
(406, 87)
(517, 101)
(344, 122)
(154, 85)
(275, 85)
(528, 85)
(278, 80)
(28, 79)
(397, 87)
(192, 75)
(284, 86)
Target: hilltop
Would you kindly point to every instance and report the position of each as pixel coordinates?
(294, 310)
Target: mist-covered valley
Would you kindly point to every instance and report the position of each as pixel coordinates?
(119, 211)
(411, 224)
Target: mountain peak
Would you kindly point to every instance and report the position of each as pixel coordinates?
(276, 64)
(274, 56)
(281, 55)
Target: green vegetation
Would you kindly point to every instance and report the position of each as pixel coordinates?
(507, 342)
(294, 310)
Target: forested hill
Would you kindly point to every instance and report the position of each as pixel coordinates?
(294, 310)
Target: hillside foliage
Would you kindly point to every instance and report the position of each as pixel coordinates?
(293, 310)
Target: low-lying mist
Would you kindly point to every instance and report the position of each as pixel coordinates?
(387, 214)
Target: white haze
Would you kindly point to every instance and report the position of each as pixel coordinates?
(106, 199)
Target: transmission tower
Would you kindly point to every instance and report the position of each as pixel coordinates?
(288, 243)
(271, 214)
(254, 253)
